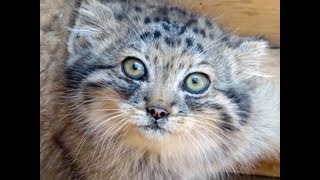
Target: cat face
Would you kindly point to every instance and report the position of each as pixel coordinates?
(161, 76)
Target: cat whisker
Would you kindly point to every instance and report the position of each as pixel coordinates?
(103, 136)
(215, 120)
(217, 154)
(114, 134)
(216, 134)
(87, 133)
(204, 154)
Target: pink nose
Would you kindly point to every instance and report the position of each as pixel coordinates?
(157, 112)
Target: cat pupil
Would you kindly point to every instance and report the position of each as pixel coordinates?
(136, 66)
(195, 79)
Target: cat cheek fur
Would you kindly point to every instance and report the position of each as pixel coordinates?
(102, 109)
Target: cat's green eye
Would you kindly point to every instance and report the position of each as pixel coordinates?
(196, 83)
(133, 68)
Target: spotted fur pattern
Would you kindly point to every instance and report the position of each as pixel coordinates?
(235, 121)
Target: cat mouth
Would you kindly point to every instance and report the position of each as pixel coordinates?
(154, 127)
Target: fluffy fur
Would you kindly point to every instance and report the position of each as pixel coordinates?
(91, 113)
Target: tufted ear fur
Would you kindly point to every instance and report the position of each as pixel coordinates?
(95, 22)
(250, 54)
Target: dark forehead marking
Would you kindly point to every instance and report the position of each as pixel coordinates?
(187, 25)
(169, 41)
(145, 35)
(193, 15)
(167, 65)
(225, 39)
(235, 44)
(157, 45)
(232, 43)
(189, 41)
(156, 19)
(165, 27)
(147, 20)
(119, 17)
(155, 60)
(156, 34)
(204, 62)
(171, 65)
(199, 48)
(211, 36)
(195, 30)
(178, 41)
(208, 23)
(163, 10)
(203, 33)
(166, 19)
(183, 52)
(137, 9)
(135, 47)
(179, 10)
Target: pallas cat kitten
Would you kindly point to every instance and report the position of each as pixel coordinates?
(153, 91)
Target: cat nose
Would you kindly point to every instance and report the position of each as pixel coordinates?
(157, 112)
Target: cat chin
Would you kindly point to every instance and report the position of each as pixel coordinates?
(153, 132)
(148, 139)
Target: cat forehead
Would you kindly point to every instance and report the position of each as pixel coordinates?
(155, 29)
(170, 24)
(172, 31)
(143, 24)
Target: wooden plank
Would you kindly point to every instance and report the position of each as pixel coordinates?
(248, 17)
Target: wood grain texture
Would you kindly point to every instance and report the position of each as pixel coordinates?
(246, 17)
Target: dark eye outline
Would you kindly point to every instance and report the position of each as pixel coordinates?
(142, 76)
(192, 91)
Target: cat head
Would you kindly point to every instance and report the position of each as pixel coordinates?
(158, 75)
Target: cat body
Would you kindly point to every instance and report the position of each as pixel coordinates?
(153, 91)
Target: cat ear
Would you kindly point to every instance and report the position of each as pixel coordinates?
(94, 22)
(250, 54)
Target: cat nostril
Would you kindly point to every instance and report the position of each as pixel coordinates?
(157, 112)
(162, 114)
